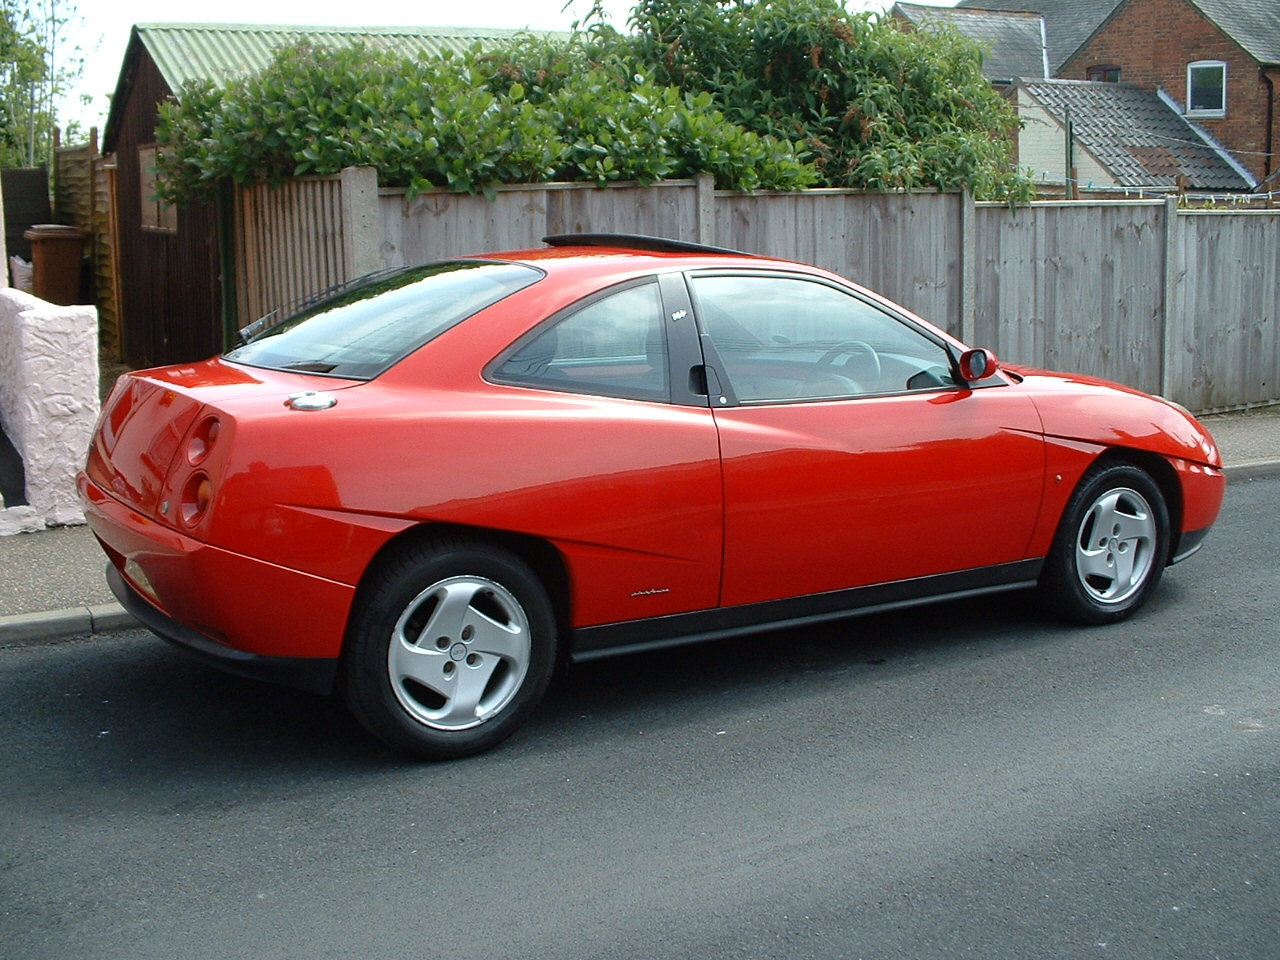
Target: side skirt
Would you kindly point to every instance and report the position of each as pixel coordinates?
(592, 643)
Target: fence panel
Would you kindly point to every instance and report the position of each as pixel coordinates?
(289, 244)
(662, 210)
(904, 246)
(1225, 349)
(435, 225)
(83, 199)
(1073, 286)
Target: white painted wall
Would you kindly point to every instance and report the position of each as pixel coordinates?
(1042, 147)
(48, 402)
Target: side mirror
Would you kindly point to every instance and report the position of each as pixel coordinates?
(978, 364)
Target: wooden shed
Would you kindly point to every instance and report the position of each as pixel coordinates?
(176, 288)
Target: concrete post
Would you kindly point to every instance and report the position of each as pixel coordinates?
(968, 271)
(706, 187)
(361, 223)
(1172, 264)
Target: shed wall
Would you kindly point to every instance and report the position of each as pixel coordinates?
(170, 292)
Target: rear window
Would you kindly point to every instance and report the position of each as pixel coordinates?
(364, 329)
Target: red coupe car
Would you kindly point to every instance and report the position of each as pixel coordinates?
(430, 488)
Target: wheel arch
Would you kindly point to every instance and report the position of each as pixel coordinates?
(539, 555)
(1165, 478)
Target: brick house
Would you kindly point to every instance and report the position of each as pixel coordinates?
(1216, 61)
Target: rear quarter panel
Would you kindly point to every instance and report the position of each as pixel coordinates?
(628, 492)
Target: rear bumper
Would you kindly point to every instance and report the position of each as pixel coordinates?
(315, 675)
(246, 615)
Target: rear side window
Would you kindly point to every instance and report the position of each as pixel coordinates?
(363, 330)
(614, 346)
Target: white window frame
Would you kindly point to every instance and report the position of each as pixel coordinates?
(1220, 111)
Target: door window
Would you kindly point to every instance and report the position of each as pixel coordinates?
(784, 338)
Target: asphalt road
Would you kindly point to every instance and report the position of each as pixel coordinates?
(971, 780)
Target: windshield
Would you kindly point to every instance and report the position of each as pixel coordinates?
(363, 330)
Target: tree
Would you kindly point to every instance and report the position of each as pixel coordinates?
(35, 68)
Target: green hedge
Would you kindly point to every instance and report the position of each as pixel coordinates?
(440, 123)
(772, 94)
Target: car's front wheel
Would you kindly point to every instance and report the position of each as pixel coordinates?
(450, 647)
(1111, 546)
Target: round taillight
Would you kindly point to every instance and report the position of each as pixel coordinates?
(202, 439)
(196, 497)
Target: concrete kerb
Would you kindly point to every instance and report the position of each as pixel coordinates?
(32, 628)
(1252, 470)
(106, 618)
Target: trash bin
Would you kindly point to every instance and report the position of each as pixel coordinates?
(56, 251)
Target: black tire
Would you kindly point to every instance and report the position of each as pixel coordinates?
(450, 647)
(1110, 548)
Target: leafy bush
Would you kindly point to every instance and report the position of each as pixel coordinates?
(419, 123)
(876, 105)
(452, 122)
(763, 94)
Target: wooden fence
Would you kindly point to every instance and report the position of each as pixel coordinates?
(83, 199)
(1183, 303)
(293, 241)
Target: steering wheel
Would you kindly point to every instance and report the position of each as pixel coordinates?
(864, 362)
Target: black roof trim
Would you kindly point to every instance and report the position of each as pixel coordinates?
(635, 241)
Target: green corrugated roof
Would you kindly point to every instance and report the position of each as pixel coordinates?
(219, 51)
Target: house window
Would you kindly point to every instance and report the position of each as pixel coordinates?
(1105, 73)
(156, 215)
(1207, 88)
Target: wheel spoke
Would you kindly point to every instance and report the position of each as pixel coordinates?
(1123, 521)
(1105, 510)
(451, 614)
(1124, 563)
(424, 665)
(1132, 529)
(1097, 563)
(506, 641)
(469, 687)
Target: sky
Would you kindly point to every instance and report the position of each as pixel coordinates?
(101, 30)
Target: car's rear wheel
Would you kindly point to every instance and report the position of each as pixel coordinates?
(450, 647)
(1111, 546)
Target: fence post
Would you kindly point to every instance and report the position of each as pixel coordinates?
(361, 229)
(705, 184)
(1172, 258)
(968, 269)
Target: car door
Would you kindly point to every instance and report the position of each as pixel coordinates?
(852, 454)
(622, 467)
